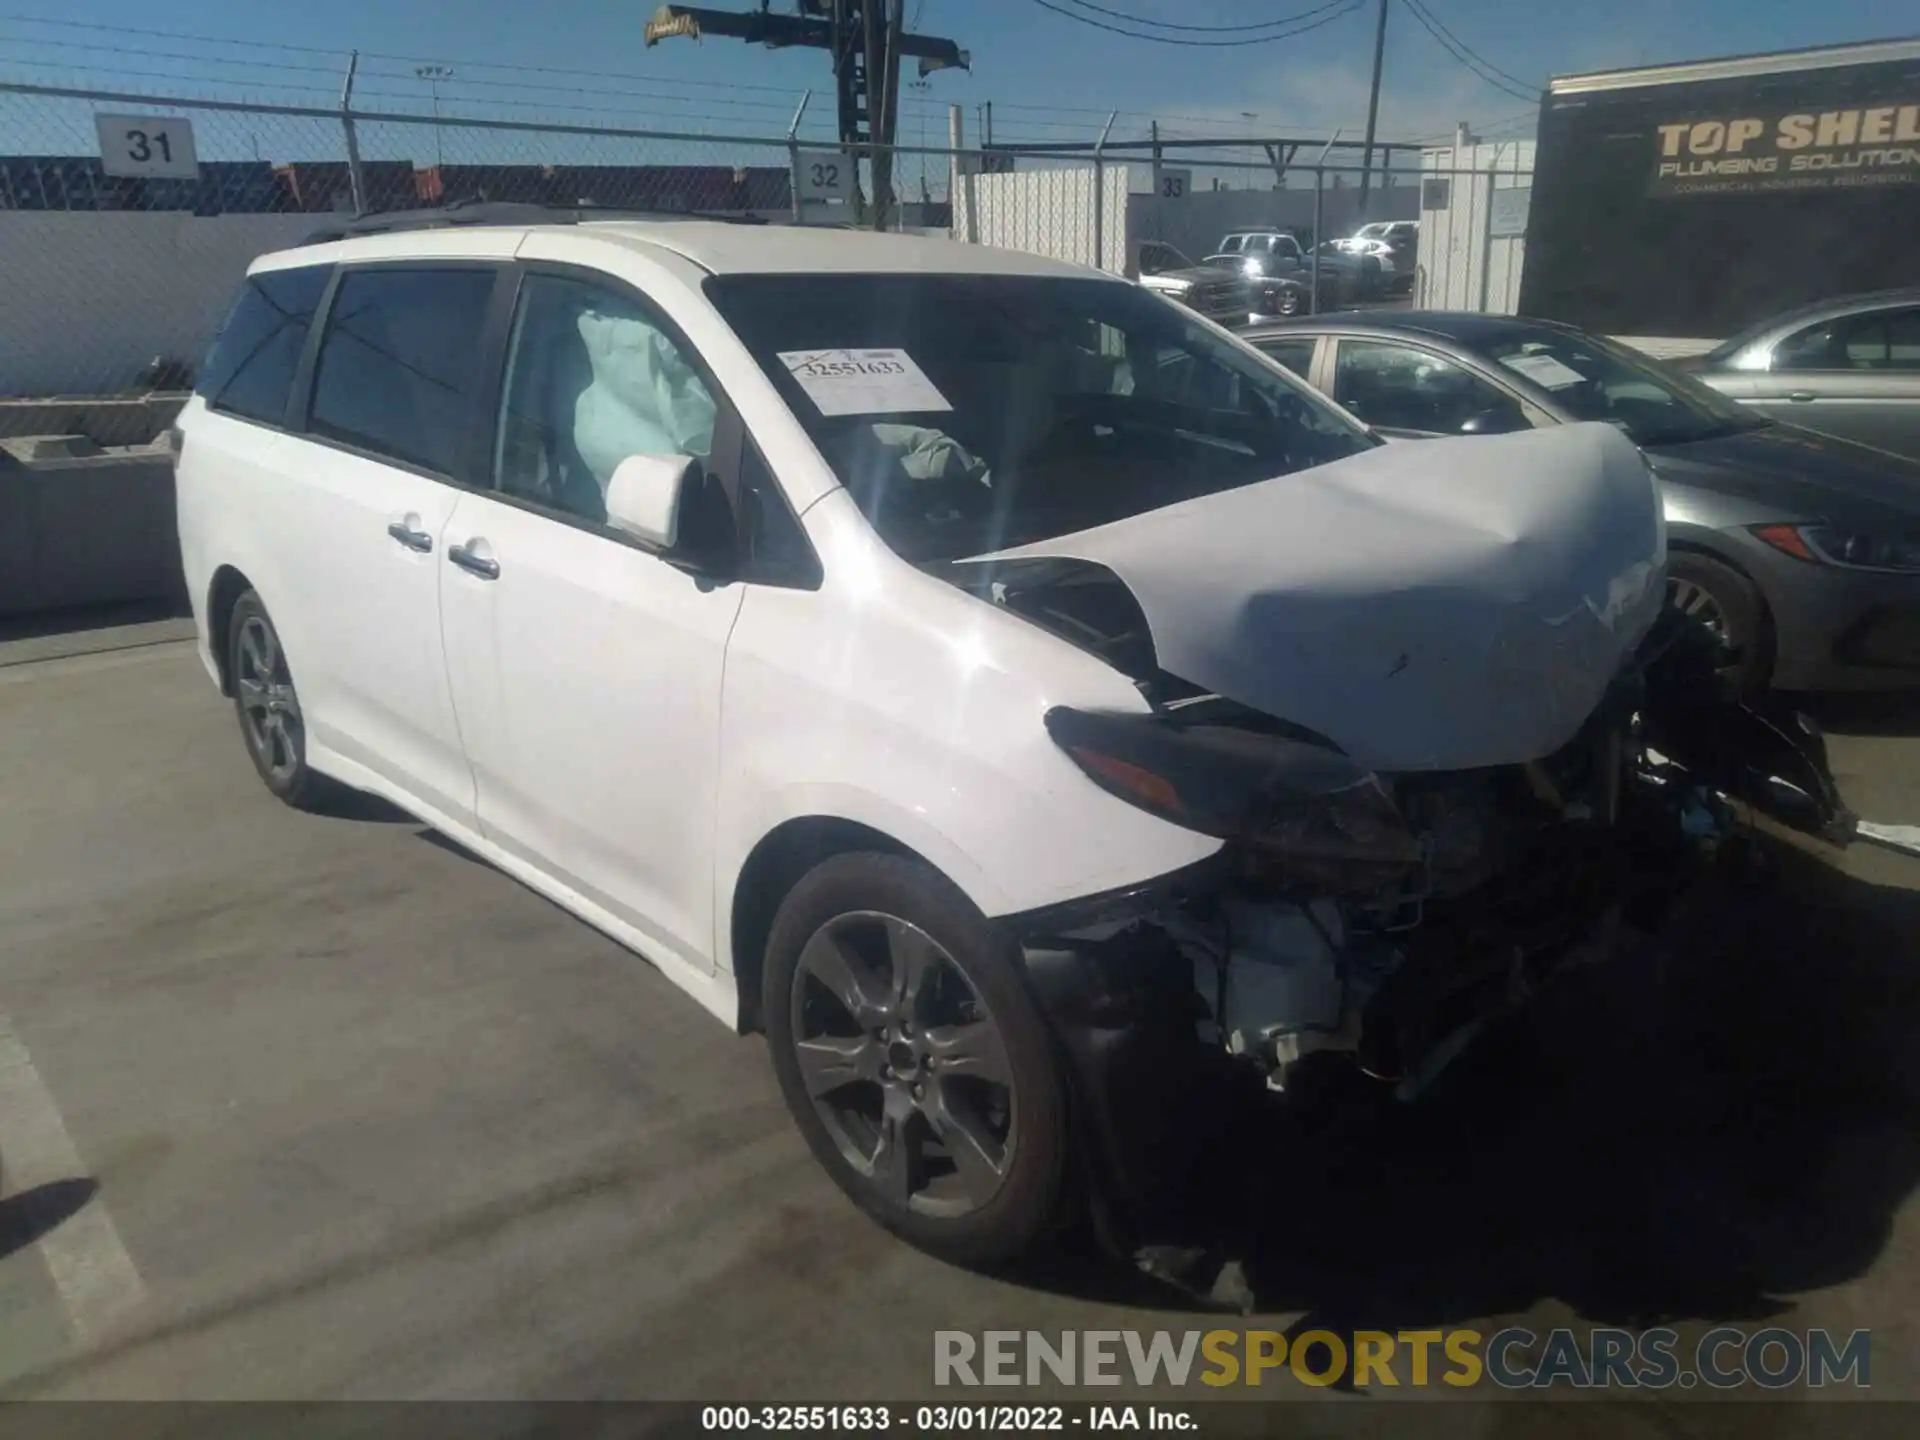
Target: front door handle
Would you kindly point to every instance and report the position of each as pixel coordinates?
(416, 540)
(1800, 397)
(483, 566)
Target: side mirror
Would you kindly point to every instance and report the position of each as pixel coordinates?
(1501, 420)
(644, 497)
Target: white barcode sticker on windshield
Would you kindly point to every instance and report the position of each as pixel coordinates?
(863, 382)
(1544, 370)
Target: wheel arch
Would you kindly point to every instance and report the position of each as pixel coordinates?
(229, 583)
(772, 868)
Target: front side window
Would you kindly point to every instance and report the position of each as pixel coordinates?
(1402, 388)
(249, 369)
(592, 377)
(969, 412)
(1231, 245)
(399, 363)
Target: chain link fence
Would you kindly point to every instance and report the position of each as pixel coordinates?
(127, 219)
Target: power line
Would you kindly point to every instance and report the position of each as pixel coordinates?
(1504, 74)
(1345, 7)
(382, 55)
(1464, 56)
(1202, 29)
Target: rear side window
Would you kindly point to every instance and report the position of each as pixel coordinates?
(1295, 352)
(399, 363)
(250, 368)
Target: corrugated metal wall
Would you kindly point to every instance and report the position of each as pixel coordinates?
(1466, 261)
(1048, 212)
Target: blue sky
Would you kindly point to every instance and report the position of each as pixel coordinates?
(1049, 78)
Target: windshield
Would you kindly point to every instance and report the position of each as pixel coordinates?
(1376, 231)
(982, 411)
(1592, 379)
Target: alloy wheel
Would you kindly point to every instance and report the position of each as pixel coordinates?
(269, 708)
(1698, 602)
(904, 1063)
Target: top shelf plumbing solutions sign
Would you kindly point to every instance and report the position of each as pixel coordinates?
(1870, 145)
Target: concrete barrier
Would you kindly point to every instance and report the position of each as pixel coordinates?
(103, 419)
(87, 530)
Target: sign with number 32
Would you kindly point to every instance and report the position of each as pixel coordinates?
(153, 146)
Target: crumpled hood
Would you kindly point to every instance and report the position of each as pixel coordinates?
(1443, 606)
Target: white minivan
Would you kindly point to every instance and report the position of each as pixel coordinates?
(996, 683)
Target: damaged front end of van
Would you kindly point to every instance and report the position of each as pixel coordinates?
(1453, 743)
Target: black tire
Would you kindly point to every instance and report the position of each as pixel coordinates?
(272, 725)
(1290, 302)
(1001, 1213)
(1721, 596)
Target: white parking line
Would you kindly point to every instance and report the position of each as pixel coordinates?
(88, 1265)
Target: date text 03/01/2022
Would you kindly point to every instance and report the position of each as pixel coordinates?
(941, 1419)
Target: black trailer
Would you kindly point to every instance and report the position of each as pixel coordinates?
(1692, 200)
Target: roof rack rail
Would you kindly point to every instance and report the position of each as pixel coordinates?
(511, 212)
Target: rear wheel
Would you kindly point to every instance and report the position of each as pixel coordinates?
(271, 721)
(914, 1059)
(1727, 603)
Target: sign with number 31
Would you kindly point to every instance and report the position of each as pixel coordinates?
(152, 146)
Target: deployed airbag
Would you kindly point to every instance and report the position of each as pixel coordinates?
(1439, 606)
(644, 399)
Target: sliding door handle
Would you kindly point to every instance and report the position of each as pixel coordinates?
(485, 566)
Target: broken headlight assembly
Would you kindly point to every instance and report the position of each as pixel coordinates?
(1278, 795)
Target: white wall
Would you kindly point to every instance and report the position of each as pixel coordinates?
(88, 298)
(1462, 267)
(1047, 212)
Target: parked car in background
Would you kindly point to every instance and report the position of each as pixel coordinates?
(1222, 293)
(1802, 550)
(1275, 252)
(1014, 697)
(1395, 244)
(1848, 367)
(1286, 291)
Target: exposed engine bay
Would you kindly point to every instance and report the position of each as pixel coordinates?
(1386, 916)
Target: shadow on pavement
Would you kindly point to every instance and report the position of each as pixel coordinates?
(26, 1217)
(362, 806)
(1691, 1137)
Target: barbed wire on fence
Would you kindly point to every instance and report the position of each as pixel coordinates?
(270, 171)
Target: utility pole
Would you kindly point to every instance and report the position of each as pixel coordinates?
(1373, 107)
(867, 39)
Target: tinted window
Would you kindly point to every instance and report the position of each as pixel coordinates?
(250, 367)
(1407, 389)
(1231, 244)
(398, 364)
(592, 378)
(1022, 408)
(1295, 353)
(1888, 340)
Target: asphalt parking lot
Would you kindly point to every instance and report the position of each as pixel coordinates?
(301, 1107)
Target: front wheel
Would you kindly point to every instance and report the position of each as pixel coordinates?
(1727, 603)
(914, 1059)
